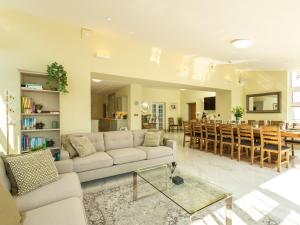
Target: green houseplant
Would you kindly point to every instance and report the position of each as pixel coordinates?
(179, 121)
(238, 113)
(57, 74)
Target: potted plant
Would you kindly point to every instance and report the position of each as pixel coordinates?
(57, 74)
(179, 121)
(38, 108)
(238, 113)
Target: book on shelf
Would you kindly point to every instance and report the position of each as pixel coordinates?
(27, 105)
(33, 86)
(33, 143)
(28, 123)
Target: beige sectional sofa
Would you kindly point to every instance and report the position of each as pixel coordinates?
(58, 203)
(118, 152)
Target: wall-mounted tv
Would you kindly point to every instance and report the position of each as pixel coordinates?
(210, 103)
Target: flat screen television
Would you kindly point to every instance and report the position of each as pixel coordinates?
(210, 103)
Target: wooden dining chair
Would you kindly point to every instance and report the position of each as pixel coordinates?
(293, 141)
(227, 139)
(251, 122)
(196, 134)
(277, 123)
(172, 124)
(247, 141)
(211, 136)
(271, 143)
(187, 133)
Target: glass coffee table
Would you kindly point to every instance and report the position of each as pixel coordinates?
(192, 196)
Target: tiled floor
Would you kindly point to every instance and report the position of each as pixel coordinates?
(258, 191)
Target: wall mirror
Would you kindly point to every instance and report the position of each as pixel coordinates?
(264, 102)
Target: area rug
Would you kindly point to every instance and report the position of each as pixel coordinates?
(113, 205)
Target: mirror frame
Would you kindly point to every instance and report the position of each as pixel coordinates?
(264, 94)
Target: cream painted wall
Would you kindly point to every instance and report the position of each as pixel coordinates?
(191, 96)
(267, 81)
(30, 42)
(160, 95)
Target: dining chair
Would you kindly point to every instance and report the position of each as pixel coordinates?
(292, 141)
(251, 122)
(271, 143)
(196, 135)
(211, 136)
(227, 138)
(277, 123)
(187, 133)
(172, 124)
(247, 141)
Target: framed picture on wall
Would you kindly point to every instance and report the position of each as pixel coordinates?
(173, 107)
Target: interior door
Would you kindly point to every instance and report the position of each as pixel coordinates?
(192, 111)
(158, 115)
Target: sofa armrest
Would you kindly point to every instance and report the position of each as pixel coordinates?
(64, 166)
(64, 154)
(172, 144)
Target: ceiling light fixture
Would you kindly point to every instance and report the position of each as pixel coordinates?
(182, 89)
(108, 19)
(96, 80)
(242, 43)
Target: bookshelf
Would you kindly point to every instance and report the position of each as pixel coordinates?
(34, 91)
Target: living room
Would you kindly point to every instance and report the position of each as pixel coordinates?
(167, 56)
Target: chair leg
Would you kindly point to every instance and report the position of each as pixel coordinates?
(262, 155)
(200, 143)
(287, 158)
(183, 140)
(269, 157)
(206, 145)
(231, 151)
(221, 149)
(279, 163)
(239, 153)
(215, 147)
(252, 155)
(293, 150)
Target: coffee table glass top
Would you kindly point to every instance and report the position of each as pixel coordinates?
(193, 195)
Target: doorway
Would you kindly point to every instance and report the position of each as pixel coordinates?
(192, 111)
(158, 115)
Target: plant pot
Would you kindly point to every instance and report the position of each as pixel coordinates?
(238, 120)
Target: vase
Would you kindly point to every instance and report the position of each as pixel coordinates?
(238, 120)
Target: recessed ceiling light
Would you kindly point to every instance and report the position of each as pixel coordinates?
(108, 19)
(131, 32)
(182, 89)
(241, 43)
(96, 80)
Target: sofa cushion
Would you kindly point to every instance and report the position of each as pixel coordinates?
(138, 137)
(97, 140)
(31, 171)
(91, 162)
(162, 134)
(66, 186)
(65, 140)
(9, 213)
(65, 212)
(127, 155)
(156, 152)
(3, 178)
(152, 139)
(118, 140)
(83, 146)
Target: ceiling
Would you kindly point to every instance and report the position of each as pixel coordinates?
(198, 27)
(106, 86)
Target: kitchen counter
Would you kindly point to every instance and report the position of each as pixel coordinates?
(111, 124)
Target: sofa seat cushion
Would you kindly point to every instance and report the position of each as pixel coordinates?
(156, 152)
(91, 162)
(66, 212)
(66, 186)
(126, 155)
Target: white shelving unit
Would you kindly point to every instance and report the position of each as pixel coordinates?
(50, 112)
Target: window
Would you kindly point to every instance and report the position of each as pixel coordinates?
(294, 93)
(295, 79)
(296, 96)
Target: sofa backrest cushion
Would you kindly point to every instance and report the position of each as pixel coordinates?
(138, 137)
(96, 139)
(3, 178)
(118, 139)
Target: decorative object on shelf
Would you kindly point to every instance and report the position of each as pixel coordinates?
(50, 143)
(39, 125)
(27, 105)
(238, 113)
(55, 124)
(57, 74)
(38, 108)
(9, 103)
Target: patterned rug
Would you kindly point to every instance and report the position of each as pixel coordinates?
(113, 205)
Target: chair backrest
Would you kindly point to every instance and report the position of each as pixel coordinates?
(226, 131)
(171, 120)
(245, 133)
(199, 128)
(186, 127)
(219, 121)
(270, 135)
(296, 125)
(211, 129)
(261, 123)
(251, 122)
(277, 123)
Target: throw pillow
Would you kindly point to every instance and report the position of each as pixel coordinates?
(9, 213)
(30, 171)
(162, 134)
(152, 139)
(83, 146)
(66, 143)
